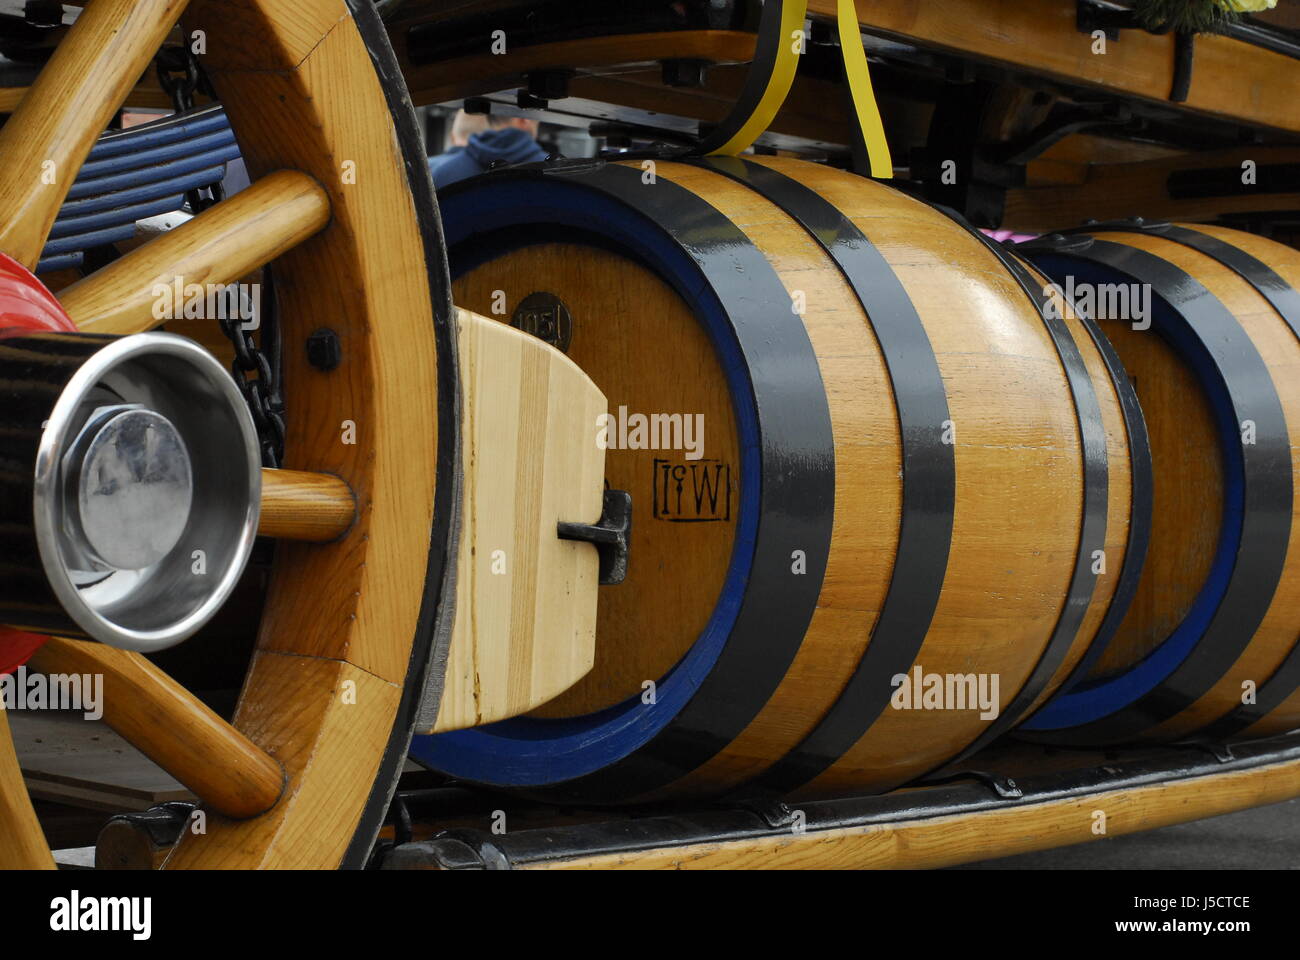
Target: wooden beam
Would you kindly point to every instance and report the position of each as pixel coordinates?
(219, 246)
(172, 727)
(1231, 79)
(453, 79)
(139, 841)
(128, 845)
(301, 505)
(813, 110)
(961, 838)
(146, 94)
(1117, 190)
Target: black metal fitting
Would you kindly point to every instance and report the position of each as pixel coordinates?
(611, 535)
(1219, 750)
(1003, 787)
(822, 33)
(549, 84)
(770, 810)
(685, 73)
(1088, 17)
(324, 352)
(43, 13)
(1059, 124)
(526, 101)
(163, 823)
(449, 850)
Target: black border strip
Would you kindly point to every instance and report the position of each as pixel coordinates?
(1285, 680)
(424, 676)
(36, 364)
(1266, 524)
(1284, 298)
(1096, 492)
(1142, 499)
(797, 494)
(929, 472)
(458, 850)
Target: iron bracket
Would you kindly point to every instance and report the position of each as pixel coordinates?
(1004, 787)
(611, 535)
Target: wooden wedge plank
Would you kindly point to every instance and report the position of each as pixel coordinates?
(525, 626)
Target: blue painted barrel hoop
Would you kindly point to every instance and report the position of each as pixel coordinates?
(1258, 492)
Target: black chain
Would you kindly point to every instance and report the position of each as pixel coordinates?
(181, 75)
(256, 372)
(256, 369)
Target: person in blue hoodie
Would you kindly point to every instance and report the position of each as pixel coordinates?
(478, 141)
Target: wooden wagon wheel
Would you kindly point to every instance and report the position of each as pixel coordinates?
(342, 203)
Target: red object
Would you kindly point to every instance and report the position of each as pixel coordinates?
(26, 304)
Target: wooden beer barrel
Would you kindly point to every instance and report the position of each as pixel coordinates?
(1209, 647)
(890, 468)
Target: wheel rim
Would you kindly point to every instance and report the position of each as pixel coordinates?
(349, 628)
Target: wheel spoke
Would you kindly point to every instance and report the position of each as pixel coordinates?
(300, 505)
(48, 137)
(22, 843)
(218, 246)
(173, 728)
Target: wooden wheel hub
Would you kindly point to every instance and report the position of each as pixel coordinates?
(134, 492)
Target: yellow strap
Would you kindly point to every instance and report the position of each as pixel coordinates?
(779, 81)
(781, 78)
(864, 98)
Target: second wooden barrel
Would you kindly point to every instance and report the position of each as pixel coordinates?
(1207, 323)
(882, 499)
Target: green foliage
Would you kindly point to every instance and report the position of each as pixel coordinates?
(1195, 16)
